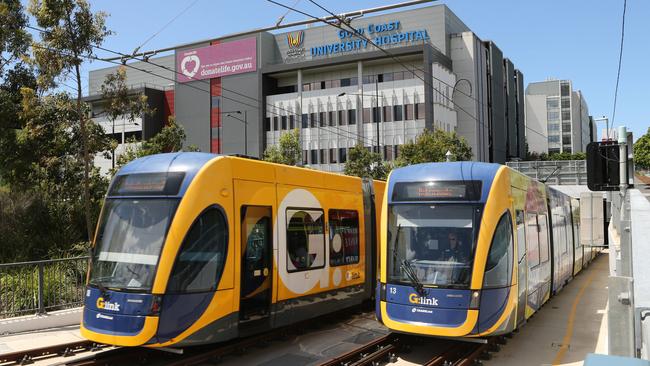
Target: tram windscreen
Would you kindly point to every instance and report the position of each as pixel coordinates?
(129, 242)
(434, 242)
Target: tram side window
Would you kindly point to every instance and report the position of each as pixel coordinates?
(305, 239)
(543, 239)
(200, 262)
(499, 261)
(344, 237)
(521, 236)
(532, 239)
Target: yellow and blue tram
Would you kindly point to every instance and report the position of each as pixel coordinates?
(472, 249)
(195, 248)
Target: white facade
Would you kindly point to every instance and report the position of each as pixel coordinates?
(340, 117)
(553, 109)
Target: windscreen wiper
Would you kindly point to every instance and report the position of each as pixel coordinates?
(407, 267)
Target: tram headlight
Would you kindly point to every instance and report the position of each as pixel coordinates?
(475, 300)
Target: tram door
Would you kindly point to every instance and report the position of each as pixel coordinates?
(256, 263)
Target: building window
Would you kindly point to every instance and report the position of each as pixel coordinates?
(284, 122)
(419, 111)
(387, 77)
(312, 119)
(323, 156)
(332, 120)
(314, 157)
(565, 90)
(335, 83)
(349, 81)
(305, 239)
(352, 116)
(408, 112)
(305, 120)
(343, 155)
(344, 237)
(305, 157)
(552, 103)
(566, 140)
(333, 156)
(566, 115)
(267, 124)
(388, 114)
(395, 151)
(306, 87)
(398, 75)
(567, 149)
(275, 123)
(388, 152)
(397, 113)
(566, 102)
(322, 116)
(375, 114)
(554, 127)
(553, 115)
(554, 139)
(366, 115)
(566, 127)
(341, 115)
(292, 122)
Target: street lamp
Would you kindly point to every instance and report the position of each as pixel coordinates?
(376, 115)
(457, 82)
(245, 121)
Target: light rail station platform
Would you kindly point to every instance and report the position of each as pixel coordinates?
(571, 324)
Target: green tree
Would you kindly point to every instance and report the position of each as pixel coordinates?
(365, 164)
(169, 139)
(70, 31)
(120, 103)
(431, 146)
(288, 151)
(642, 151)
(14, 39)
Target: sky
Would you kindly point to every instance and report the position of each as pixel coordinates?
(562, 39)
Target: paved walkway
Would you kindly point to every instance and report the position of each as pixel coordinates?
(570, 325)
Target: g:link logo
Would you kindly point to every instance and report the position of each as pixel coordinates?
(107, 305)
(414, 299)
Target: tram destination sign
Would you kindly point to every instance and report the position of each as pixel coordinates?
(437, 190)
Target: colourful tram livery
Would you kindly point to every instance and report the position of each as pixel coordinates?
(196, 248)
(471, 249)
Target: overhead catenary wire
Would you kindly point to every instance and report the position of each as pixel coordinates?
(350, 134)
(620, 59)
(356, 32)
(135, 51)
(95, 58)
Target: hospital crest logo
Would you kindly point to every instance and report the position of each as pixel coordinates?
(295, 42)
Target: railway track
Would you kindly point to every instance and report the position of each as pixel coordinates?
(387, 349)
(30, 356)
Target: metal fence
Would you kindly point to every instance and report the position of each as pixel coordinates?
(41, 286)
(556, 172)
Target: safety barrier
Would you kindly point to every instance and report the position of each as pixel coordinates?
(41, 286)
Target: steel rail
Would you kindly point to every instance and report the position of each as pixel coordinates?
(25, 357)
